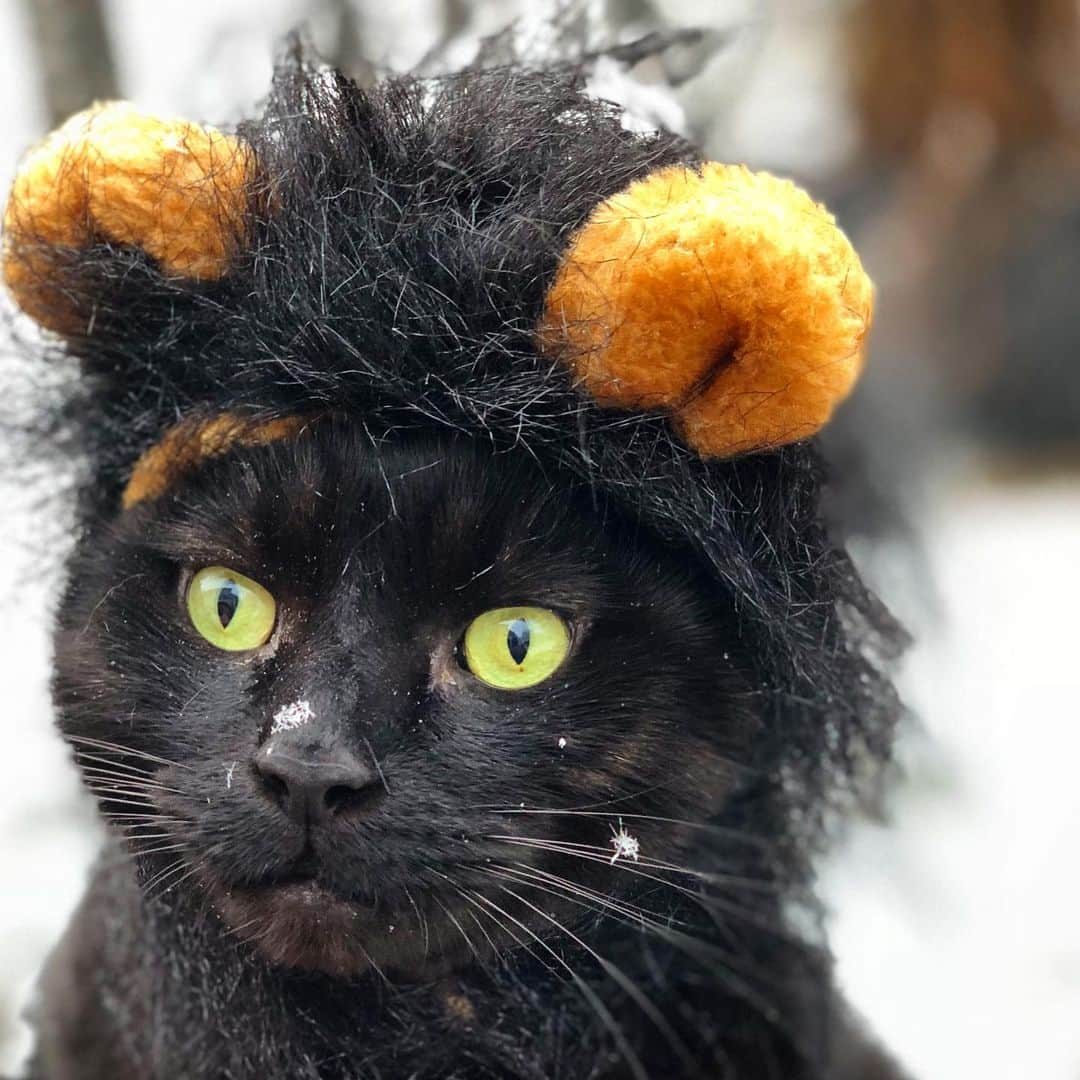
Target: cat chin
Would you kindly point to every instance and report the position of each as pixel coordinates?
(303, 926)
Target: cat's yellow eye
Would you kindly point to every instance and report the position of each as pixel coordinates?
(515, 647)
(229, 610)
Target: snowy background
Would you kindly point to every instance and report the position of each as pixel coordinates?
(956, 921)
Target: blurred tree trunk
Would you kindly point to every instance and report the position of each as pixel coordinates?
(75, 61)
(455, 18)
(349, 50)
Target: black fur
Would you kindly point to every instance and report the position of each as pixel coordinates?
(728, 663)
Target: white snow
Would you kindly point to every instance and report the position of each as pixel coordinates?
(956, 928)
(625, 845)
(292, 716)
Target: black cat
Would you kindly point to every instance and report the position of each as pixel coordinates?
(471, 730)
(361, 859)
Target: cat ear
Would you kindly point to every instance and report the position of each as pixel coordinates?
(112, 174)
(726, 298)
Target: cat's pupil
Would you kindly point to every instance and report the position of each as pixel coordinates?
(517, 640)
(227, 603)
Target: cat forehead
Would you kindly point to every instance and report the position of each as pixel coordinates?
(333, 488)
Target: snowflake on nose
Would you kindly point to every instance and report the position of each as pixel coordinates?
(289, 717)
(626, 846)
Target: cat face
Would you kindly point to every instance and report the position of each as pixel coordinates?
(452, 684)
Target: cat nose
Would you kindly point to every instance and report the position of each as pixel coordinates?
(317, 789)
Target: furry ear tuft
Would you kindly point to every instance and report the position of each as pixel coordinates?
(727, 298)
(113, 174)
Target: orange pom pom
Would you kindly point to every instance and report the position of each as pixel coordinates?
(728, 298)
(175, 189)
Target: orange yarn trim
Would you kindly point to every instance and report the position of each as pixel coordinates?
(192, 441)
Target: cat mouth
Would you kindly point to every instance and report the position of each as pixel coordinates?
(298, 917)
(303, 890)
(297, 922)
